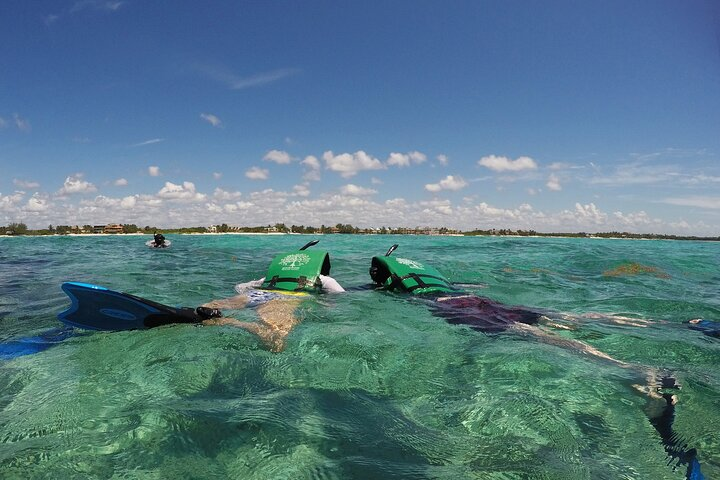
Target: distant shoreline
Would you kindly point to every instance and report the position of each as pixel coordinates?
(553, 235)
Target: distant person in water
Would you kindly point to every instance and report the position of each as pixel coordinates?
(159, 240)
(290, 277)
(708, 327)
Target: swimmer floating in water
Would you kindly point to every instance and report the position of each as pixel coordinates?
(483, 314)
(459, 307)
(158, 240)
(291, 276)
(708, 327)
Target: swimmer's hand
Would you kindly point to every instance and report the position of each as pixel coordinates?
(242, 287)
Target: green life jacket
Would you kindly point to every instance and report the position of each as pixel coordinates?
(298, 270)
(409, 276)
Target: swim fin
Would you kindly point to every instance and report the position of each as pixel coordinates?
(28, 345)
(98, 308)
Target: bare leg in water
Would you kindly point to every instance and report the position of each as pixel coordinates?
(277, 319)
(651, 378)
(660, 408)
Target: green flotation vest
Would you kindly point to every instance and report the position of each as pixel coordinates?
(409, 276)
(298, 270)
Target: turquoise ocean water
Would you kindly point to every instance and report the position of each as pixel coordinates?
(371, 385)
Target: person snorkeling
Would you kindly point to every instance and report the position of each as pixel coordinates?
(707, 327)
(158, 240)
(290, 277)
(460, 307)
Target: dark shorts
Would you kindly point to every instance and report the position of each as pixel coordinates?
(481, 313)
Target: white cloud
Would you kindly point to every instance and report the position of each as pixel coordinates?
(223, 195)
(553, 183)
(9, 203)
(263, 78)
(230, 208)
(356, 191)
(236, 82)
(504, 164)
(590, 213)
(76, 184)
(3, 123)
(101, 5)
(257, 173)
(154, 171)
(128, 202)
(376, 181)
(637, 174)
(399, 159)
(312, 176)
(211, 119)
(22, 124)
(269, 198)
(417, 157)
(443, 160)
(311, 162)
(148, 142)
(25, 184)
(347, 164)
(451, 182)
(312, 172)
(36, 204)
(561, 166)
(700, 179)
(50, 19)
(186, 191)
(699, 201)
(301, 190)
(217, 175)
(277, 156)
(120, 182)
(442, 207)
(633, 219)
(405, 159)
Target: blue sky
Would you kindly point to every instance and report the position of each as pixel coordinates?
(553, 116)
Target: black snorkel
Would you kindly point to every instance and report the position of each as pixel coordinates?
(309, 244)
(391, 250)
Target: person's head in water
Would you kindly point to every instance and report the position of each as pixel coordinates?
(378, 277)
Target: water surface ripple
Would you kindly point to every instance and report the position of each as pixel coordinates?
(371, 385)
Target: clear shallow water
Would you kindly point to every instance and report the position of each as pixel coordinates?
(371, 385)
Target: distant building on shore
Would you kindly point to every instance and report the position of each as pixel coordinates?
(113, 228)
(109, 228)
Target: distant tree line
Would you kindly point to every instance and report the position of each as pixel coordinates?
(340, 228)
(614, 234)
